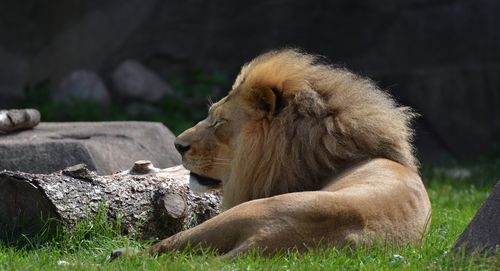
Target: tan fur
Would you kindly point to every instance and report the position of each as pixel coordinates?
(292, 124)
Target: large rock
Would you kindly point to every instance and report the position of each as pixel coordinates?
(141, 109)
(82, 85)
(13, 76)
(107, 147)
(134, 81)
(459, 107)
(483, 232)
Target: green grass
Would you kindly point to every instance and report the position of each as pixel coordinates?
(454, 201)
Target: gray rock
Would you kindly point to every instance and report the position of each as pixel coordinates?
(13, 76)
(106, 147)
(459, 105)
(142, 109)
(134, 81)
(483, 232)
(82, 84)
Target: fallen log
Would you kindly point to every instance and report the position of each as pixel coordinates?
(147, 201)
(18, 119)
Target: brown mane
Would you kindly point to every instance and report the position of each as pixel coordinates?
(332, 119)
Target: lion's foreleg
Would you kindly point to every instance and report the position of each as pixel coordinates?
(290, 221)
(222, 233)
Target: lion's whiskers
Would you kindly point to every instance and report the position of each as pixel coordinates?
(221, 159)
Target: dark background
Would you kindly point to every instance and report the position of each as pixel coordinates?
(441, 57)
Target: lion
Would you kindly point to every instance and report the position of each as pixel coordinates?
(306, 154)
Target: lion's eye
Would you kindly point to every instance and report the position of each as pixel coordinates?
(218, 122)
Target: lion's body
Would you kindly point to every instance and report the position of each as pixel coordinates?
(306, 154)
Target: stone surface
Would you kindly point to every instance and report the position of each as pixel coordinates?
(459, 106)
(82, 85)
(107, 147)
(440, 57)
(134, 81)
(483, 232)
(141, 109)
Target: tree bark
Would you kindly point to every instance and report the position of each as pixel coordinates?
(149, 202)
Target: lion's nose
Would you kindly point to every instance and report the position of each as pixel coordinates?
(181, 146)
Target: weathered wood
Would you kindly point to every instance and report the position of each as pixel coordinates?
(18, 119)
(148, 202)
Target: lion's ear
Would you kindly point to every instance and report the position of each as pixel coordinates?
(266, 101)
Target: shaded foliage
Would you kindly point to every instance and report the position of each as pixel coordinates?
(178, 112)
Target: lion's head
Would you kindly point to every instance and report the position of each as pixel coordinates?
(289, 123)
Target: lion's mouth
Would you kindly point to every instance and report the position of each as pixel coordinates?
(205, 181)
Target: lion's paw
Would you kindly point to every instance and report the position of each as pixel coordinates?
(124, 251)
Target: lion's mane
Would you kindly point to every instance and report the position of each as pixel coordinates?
(331, 119)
